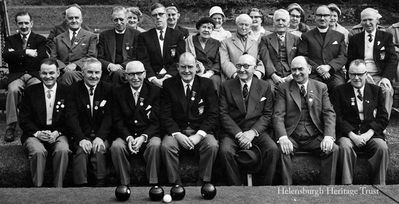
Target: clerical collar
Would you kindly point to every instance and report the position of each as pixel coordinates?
(120, 32)
(322, 30)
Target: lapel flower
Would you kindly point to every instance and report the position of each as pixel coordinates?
(352, 101)
(141, 99)
(193, 95)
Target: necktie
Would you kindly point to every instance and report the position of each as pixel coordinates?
(135, 96)
(91, 91)
(359, 95)
(24, 41)
(160, 35)
(303, 91)
(370, 37)
(73, 37)
(188, 91)
(48, 95)
(245, 91)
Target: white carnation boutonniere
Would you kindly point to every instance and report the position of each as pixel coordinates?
(59, 105)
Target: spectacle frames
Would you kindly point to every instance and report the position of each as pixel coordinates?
(131, 74)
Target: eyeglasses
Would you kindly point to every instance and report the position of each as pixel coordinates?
(186, 67)
(323, 15)
(300, 69)
(353, 75)
(295, 16)
(131, 74)
(157, 14)
(246, 66)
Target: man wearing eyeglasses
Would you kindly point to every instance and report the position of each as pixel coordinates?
(189, 115)
(304, 120)
(117, 46)
(376, 48)
(135, 113)
(246, 108)
(361, 120)
(159, 48)
(326, 50)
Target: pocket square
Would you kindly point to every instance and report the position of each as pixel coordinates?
(335, 43)
(383, 48)
(83, 44)
(103, 102)
(201, 101)
(148, 107)
(262, 99)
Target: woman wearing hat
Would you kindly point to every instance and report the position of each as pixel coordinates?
(134, 18)
(297, 14)
(335, 14)
(206, 50)
(218, 16)
(257, 29)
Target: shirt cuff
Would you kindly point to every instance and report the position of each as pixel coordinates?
(108, 68)
(151, 78)
(256, 133)
(145, 137)
(202, 133)
(175, 133)
(331, 137)
(128, 137)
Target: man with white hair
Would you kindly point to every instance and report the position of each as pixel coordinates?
(278, 49)
(73, 46)
(376, 48)
(239, 44)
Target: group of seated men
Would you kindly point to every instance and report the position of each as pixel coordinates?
(159, 94)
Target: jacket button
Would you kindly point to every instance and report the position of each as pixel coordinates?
(135, 121)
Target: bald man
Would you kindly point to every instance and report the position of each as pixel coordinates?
(135, 113)
(72, 47)
(376, 48)
(246, 107)
(239, 44)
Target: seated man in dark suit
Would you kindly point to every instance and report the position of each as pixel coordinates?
(304, 119)
(135, 113)
(159, 48)
(361, 120)
(117, 46)
(43, 122)
(189, 115)
(90, 122)
(246, 108)
(173, 19)
(23, 52)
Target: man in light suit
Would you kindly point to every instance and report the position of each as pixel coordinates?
(136, 119)
(189, 115)
(326, 50)
(73, 46)
(239, 44)
(43, 122)
(117, 46)
(278, 49)
(246, 108)
(159, 48)
(90, 122)
(304, 119)
(361, 120)
(378, 51)
(23, 52)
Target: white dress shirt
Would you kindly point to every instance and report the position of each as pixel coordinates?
(50, 103)
(91, 97)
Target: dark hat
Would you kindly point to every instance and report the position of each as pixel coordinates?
(204, 20)
(250, 160)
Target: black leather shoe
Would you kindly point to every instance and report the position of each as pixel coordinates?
(10, 134)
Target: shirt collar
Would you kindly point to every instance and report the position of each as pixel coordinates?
(88, 87)
(249, 82)
(120, 32)
(322, 30)
(134, 90)
(163, 30)
(52, 89)
(305, 85)
(185, 84)
(372, 33)
(71, 32)
(27, 35)
(361, 90)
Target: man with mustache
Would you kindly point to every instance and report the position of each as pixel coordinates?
(361, 120)
(23, 52)
(73, 46)
(304, 120)
(189, 115)
(326, 50)
(159, 48)
(43, 122)
(89, 120)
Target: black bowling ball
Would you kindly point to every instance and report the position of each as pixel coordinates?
(122, 193)
(156, 193)
(177, 192)
(208, 191)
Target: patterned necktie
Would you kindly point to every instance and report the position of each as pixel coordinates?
(73, 37)
(303, 91)
(91, 89)
(24, 41)
(160, 35)
(359, 95)
(370, 37)
(48, 94)
(245, 91)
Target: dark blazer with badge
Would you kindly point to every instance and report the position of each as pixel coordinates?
(32, 111)
(183, 31)
(107, 47)
(269, 45)
(142, 118)
(17, 59)
(233, 116)
(331, 51)
(149, 51)
(200, 112)
(287, 108)
(375, 114)
(82, 124)
(84, 47)
(383, 52)
(209, 56)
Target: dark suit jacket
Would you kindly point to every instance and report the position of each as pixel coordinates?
(287, 108)
(18, 61)
(32, 111)
(331, 51)
(375, 114)
(183, 31)
(200, 114)
(383, 52)
(80, 121)
(149, 51)
(209, 56)
(269, 45)
(65, 53)
(107, 47)
(134, 120)
(233, 116)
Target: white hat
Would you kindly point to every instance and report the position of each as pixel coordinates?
(216, 10)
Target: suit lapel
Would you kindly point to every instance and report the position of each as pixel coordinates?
(328, 38)
(274, 42)
(79, 38)
(41, 105)
(198, 46)
(254, 94)
(112, 45)
(65, 39)
(126, 43)
(154, 35)
(181, 94)
(366, 101)
(236, 91)
(318, 37)
(83, 92)
(294, 91)
(289, 43)
(250, 42)
(129, 98)
(237, 42)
